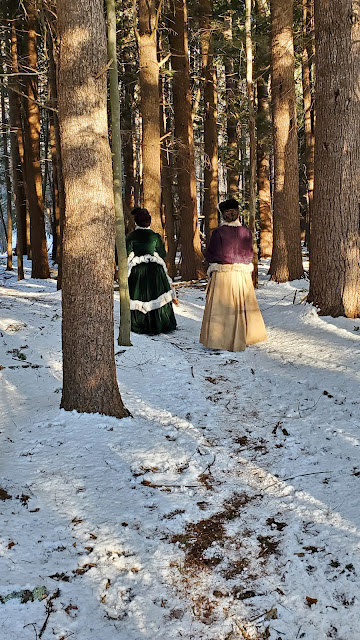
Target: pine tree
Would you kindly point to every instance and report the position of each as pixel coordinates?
(89, 373)
(286, 263)
(335, 250)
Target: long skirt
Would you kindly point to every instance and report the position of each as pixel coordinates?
(232, 318)
(150, 300)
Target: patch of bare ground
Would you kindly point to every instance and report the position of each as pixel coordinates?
(218, 569)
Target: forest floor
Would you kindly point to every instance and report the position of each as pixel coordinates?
(227, 507)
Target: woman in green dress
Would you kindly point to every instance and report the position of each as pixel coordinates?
(151, 294)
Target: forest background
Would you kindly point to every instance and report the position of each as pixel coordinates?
(253, 100)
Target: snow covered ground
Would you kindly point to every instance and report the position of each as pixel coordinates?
(227, 507)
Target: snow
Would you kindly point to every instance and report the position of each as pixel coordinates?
(227, 507)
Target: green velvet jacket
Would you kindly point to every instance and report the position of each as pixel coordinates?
(145, 242)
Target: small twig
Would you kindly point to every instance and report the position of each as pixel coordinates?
(104, 69)
(32, 624)
(49, 610)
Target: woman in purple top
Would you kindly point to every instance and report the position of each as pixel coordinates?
(232, 318)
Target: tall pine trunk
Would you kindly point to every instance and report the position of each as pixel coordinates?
(166, 184)
(4, 123)
(210, 201)
(124, 327)
(334, 243)
(17, 177)
(286, 263)
(308, 99)
(252, 136)
(263, 128)
(192, 259)
(40, 264)
(149, 91)
(89, 373)
(56, 159)
(232, 168)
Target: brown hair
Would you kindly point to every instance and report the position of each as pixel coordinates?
(142, 217)
(229, 210)
(230, 215)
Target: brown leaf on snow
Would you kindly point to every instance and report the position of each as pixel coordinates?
(69, 608)
(11, 544)
(310, 601)
(86, 567)
(4, 495)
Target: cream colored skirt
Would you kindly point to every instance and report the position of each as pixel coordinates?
(232, 318)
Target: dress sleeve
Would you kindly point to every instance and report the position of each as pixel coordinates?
(248, 247)
(129, 244)
(214, 251)
(160, 248)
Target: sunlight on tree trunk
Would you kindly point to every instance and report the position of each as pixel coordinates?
(286, 263)
(335, 250)
(89, 372)
(150, 109)
(192, 259)
(252, 137)
(124, 328)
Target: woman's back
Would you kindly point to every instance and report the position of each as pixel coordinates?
(230, 244)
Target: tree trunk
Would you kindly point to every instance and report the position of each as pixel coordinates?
(192, 258)
(252, 136)
(210, 202)
(56, 207)
(4, 123)
(57, 162)
(14, 113)
(124, 327)
(286, 263)
(335, 251)
(40, 265)
(89, 373)
(166, 185)
(232, 169)
(309, 120)
(149, 91)
(263, 129)
(128, 154)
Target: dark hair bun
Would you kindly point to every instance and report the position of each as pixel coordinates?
(141, 216)
(229, 204)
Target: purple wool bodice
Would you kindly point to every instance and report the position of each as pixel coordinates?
(230, 244)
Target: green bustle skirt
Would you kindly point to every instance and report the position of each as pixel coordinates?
(147, 283)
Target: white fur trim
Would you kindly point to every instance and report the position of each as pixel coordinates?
(234, 223)
(242, 267)
(168, 296)
(134, 260)
(143, 228)
(145, 307)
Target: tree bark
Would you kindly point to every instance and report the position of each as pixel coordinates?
(124, 327)
(14, 113)
(9, 264)
(334, 243)
(192, 259)
(166, 184)
(89, 372)
(286, 263)
(210, 202)
(232, 168)
(308, 99)
(40, 265)
(57, 161)
(263, 127)
(252, 136)
(149, 91)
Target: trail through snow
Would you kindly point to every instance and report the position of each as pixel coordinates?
(227, 507)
